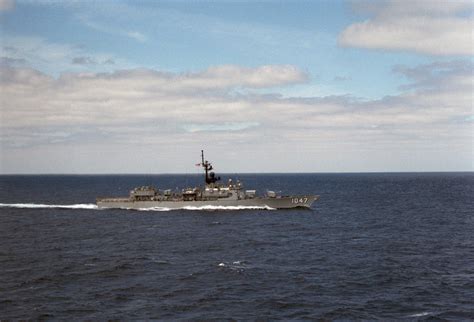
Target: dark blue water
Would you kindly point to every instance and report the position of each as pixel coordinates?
(376, 246)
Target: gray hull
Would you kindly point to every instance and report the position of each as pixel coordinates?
(269, 203)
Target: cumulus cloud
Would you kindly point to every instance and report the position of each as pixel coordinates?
(260, 77)
(422, 26)
(133, 95)
(437, 76)
(140, 110)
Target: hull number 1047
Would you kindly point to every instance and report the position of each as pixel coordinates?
(299, 200)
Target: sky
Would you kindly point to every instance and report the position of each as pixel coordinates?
(261, 86)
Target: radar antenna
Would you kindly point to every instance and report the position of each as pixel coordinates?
(210, 176)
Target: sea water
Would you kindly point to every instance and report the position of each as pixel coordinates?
(375, 246)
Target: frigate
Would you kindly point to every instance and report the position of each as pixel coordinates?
(213, 195)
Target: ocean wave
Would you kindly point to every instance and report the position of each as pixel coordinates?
(235, 266)
(36, 205)
(149, 209)
(417, 315)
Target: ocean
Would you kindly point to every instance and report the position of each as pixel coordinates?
(375, 246)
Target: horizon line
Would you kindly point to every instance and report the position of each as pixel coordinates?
(233, 173)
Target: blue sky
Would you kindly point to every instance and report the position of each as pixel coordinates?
(349, 61)
(189, 36)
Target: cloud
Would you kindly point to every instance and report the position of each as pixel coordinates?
(138, 36)
(113, 30)
(437, 76)
(133, 95)
(260, 77)
(140, 110)
(12, 61)
(223, 127)
(6, 5)
(54, 58)
(149, 24)
(83, 61)
(342, 78)
(88, 61)
(426, 27)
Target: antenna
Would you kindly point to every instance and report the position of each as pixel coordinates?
(210, 176)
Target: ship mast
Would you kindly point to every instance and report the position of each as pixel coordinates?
(210, 176)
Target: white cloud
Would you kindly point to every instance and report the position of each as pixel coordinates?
(226, 126)
(133, 95)
(427, 27)
(138, 36)
(129, 113)
(232, 75)
(113, 30)
(54, 58)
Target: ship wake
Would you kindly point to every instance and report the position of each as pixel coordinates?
(42, 206)
(212, 208)
(94, 207)
(205, 208)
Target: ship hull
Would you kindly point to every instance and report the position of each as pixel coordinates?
(269, 203)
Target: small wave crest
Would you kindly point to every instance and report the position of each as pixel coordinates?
(417, 315)
(150, 209)
(203, 208)
(210, 208)
(235, 266)
(38, 205)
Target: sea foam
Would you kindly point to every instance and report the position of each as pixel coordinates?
(93, 206)
(228, 208)
(38, 205)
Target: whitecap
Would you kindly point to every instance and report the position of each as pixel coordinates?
(419, 314)
(235, 266)
(36, 206)
(151, 209)
(94, 206)
(210, 208)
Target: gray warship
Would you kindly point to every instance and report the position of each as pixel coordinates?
(213, 195)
